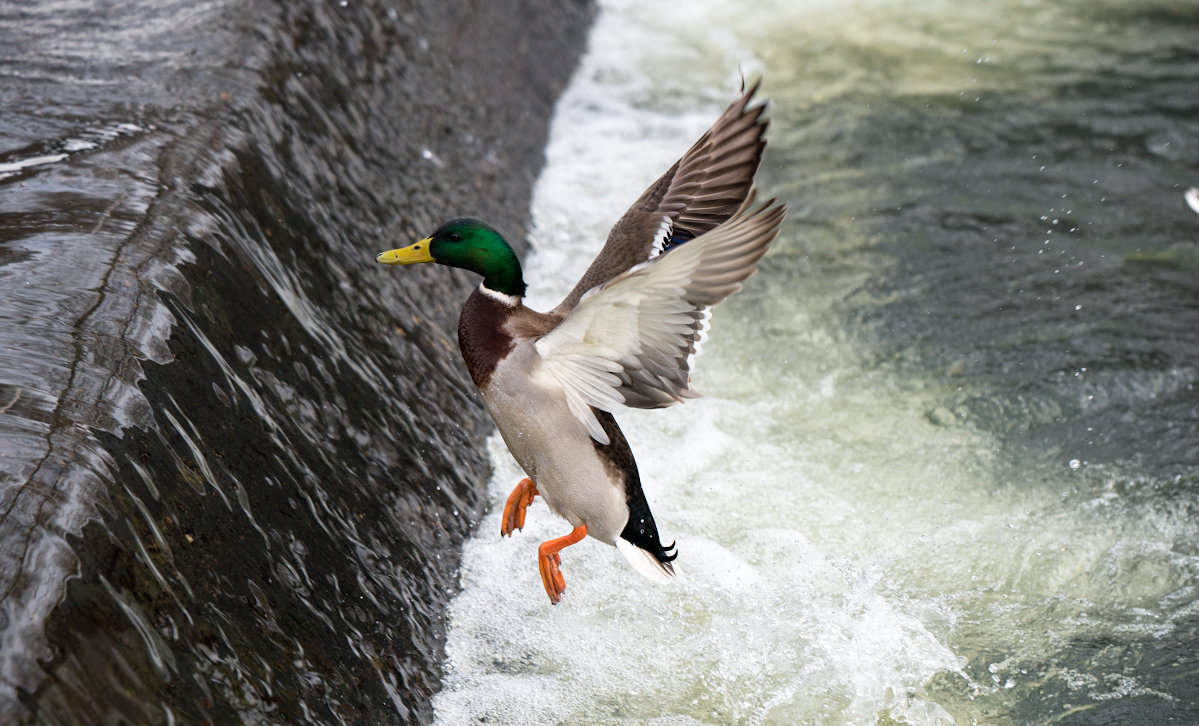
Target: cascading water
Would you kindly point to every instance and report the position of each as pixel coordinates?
(236, 455)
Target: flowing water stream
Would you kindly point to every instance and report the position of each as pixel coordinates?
(236, 455)
(947, 466)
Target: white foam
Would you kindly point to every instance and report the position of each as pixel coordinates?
(11, 167)
(92, 139)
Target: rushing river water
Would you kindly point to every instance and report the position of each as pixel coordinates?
(947, 468)
(236, 455)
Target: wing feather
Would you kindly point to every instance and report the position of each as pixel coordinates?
(632, 341)
(697, 193)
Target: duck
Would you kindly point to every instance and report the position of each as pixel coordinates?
(626, 336)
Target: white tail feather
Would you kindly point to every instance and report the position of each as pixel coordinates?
(645, 563)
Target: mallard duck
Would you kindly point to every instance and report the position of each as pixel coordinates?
(626, 335)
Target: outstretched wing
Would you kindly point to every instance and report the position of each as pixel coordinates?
(701, 190)
(632, 341)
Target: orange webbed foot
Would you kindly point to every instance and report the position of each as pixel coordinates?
(549, 562)
(514, 509)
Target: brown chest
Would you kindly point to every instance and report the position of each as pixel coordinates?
(482, 337)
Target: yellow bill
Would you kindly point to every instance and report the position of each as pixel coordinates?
(410, 255)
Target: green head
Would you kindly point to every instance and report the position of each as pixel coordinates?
(471, 245)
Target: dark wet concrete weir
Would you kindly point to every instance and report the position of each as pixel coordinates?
(236, 455)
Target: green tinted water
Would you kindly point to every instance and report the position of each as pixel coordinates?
(947, 469)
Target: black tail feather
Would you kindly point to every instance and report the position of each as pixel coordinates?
(641, 530)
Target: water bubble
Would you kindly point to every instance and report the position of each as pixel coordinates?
(1075, 463)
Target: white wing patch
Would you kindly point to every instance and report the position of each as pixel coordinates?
(701, 335)
(633, 341)
(625, 343)
(661, 237)
(585, 367)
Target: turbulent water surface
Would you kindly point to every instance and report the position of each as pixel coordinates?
(947, 467)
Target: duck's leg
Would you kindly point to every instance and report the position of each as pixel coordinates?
(548, 562)
(514, 509)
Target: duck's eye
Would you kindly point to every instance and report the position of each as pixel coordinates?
(455, 237)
